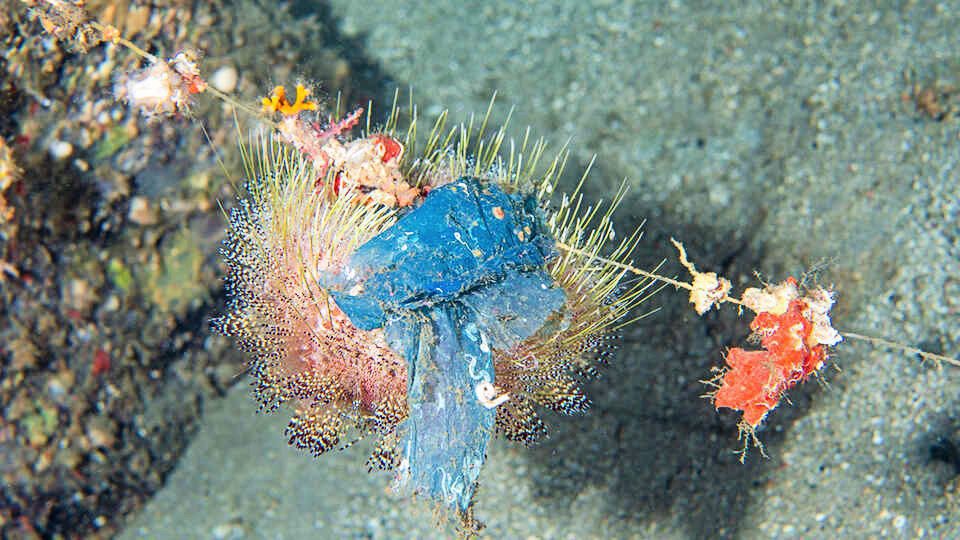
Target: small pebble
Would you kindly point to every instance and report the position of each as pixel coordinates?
(100, 432)
(79, 295)
(228, 531)
(225, 79)
(141, 212)
(60, 150)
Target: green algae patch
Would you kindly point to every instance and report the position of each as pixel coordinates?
(173, 280)
(113, 140)
(120, 275)
(40, 425)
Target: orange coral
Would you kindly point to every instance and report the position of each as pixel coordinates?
(278, 101)
(794, 332)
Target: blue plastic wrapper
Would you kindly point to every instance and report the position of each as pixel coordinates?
(450, 281)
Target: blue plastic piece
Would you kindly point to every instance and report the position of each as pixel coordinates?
(450, 281)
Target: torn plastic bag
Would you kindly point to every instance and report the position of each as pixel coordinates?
(451, 281)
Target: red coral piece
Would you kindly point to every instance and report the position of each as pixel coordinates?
(195, 85)
(756, 380)
(101, 362)
(391, 147)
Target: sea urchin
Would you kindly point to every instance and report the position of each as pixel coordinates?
(429, 298)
